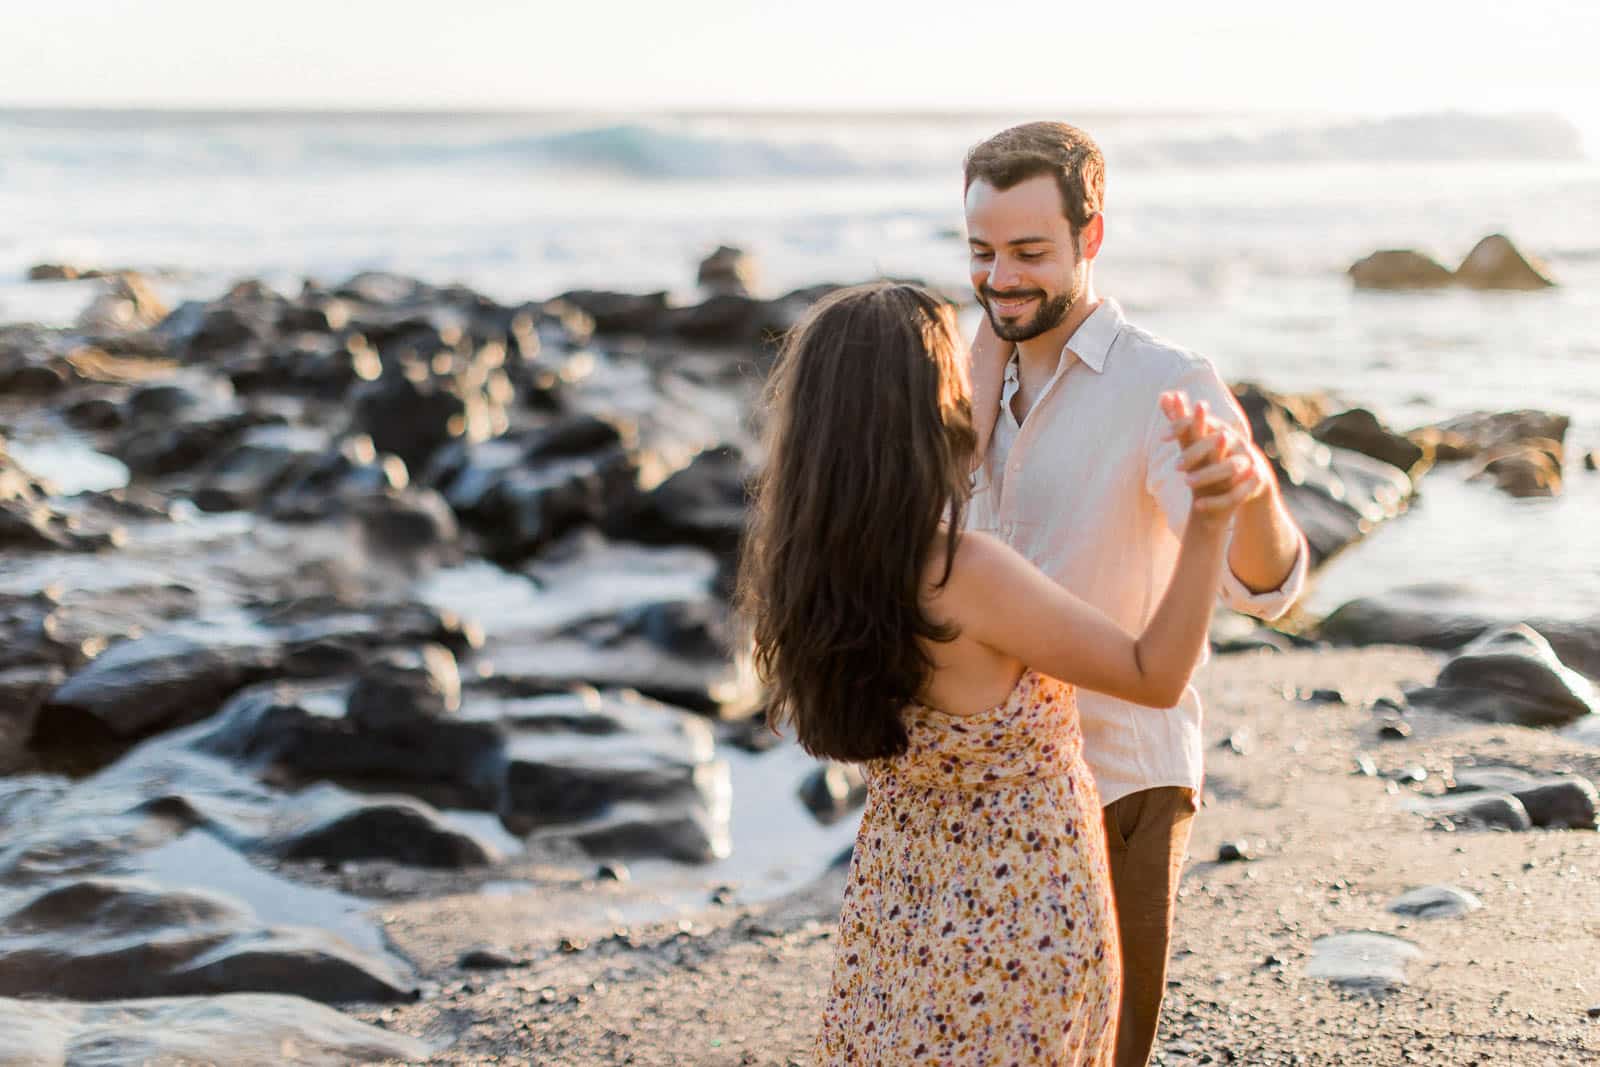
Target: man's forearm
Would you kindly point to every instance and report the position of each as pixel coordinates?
(1266, 543)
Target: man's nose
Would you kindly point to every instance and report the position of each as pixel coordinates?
(1002, 276)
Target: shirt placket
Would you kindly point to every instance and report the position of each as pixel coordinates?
(1031, 427)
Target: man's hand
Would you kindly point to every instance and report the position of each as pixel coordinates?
(1217, 462)
(987, 375)
(1266, 540)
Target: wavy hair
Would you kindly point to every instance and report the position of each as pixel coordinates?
(869, 440)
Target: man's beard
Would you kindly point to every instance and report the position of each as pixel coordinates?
(1052, 311)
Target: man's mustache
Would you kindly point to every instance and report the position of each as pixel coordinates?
(1015, 294)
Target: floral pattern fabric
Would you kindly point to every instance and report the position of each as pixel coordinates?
(978, 927)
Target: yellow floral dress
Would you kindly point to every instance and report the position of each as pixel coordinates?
(978, 928)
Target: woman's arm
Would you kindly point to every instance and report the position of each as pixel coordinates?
(1002, 600)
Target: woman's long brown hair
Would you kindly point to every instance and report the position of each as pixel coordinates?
(869, 440)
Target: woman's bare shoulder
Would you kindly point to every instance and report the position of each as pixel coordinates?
(981, 559)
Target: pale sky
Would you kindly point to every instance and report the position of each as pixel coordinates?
(1357, 56)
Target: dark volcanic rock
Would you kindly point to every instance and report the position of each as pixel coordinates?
(154, 452)
(329, 824)
(261, 460)
(1360, 431)
(55, 272)
(522, 491)
(298, 734)
(487, 958)
(239, 1028)
(162, 678)
(733, 319)
(1399, 269)
(833, 791)
(702, 504)
(615, 774)
(1485, 431)
(1494, 810)
(328, 486)
(728, 270)
(1336, 495)
(1446, 617)
(620, 312)
(200, 332)
(1555, 802)
(190, 396)
(401, 689)
(93, 413)
(31, 521)
(620, 615)
(1528, 469)
(23, 691)
(412, 419)
(1511, 675)
(1495, 263)
(407, 528)
(104, 938)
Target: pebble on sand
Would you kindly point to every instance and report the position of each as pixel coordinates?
(1435, 902)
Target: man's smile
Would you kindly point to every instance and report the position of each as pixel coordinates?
(1011, 305)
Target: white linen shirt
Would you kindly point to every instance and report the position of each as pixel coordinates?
(1087, 489)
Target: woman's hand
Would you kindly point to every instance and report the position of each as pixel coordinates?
(1222, 469)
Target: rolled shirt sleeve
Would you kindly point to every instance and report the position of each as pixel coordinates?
(1166, 484)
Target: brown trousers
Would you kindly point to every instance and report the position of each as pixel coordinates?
(1147, 835)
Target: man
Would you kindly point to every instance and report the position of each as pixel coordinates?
(1076, 473)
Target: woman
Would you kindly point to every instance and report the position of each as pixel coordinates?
(977, 925)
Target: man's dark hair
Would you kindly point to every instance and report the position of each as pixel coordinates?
(1064, 152)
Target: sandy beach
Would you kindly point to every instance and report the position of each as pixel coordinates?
(1513, 982)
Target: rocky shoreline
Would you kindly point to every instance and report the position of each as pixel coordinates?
(397, 595)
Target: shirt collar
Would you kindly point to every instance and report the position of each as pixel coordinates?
(1092, 340)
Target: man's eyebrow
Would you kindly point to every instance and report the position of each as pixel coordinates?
(1013, 243)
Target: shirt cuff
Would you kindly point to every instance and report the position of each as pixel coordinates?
(1272, 603)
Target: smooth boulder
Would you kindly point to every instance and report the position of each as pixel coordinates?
(1446, 616)
(728, 270)
(1435, 902)
(614, 774)
(1336, 495)
(23, 692)
(1399, 268)
(1527, 469)
(1496, 263)
(1359, 430)
(159, 679)
(1479, 810)
(1552, 802)
(242, 1029)
(1511, 675)
(105, 938)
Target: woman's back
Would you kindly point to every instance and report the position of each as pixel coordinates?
(967, 675)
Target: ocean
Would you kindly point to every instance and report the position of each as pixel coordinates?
(1229, 234)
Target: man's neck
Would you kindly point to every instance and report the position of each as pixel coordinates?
(1040, 356)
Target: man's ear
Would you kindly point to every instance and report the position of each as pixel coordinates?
(1089, 238)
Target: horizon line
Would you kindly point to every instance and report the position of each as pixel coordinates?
(864, 110)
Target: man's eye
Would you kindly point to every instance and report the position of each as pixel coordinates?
(982, 255)
(1030, 256)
